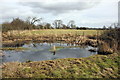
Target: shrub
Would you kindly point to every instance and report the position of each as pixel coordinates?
(104, 49)
(112, 38)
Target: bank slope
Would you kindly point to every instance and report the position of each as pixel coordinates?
(96, 66)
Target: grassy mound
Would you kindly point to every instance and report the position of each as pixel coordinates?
(97, 66)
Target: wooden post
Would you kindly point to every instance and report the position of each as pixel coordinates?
(97, 38)
(54, 50)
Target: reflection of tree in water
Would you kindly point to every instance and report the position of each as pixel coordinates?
(54, 58)
(54, 52)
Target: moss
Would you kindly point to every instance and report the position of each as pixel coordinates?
(57, 74)
(26, 69)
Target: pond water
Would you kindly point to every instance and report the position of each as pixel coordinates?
(41, 51)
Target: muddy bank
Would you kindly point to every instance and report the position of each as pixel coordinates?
(88, 42)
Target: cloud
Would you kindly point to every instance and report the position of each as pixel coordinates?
(10, 10)
(84, 12)
(58, 7)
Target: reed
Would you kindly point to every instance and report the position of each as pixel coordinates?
(104, 49)
(111, 38)
(62, 36)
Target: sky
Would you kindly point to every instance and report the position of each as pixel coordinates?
(85, 13)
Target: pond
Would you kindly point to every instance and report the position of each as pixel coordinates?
(42, 51)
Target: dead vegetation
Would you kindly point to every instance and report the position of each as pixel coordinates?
(18, 38)
(110, 41)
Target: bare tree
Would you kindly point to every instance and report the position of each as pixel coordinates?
(71, 24)
(104, 27)
(31, 21)
(34, 19)
(58, 24)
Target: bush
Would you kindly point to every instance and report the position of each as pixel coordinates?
(112, 38)
(104, 49)
(17, 24)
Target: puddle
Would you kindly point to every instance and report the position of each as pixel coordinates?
(41, 51)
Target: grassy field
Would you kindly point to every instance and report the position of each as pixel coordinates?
(97, 66)
(63, 31)
(48, 32)
(15, 37)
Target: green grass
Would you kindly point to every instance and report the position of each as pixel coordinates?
(48, 35)
(13, 48)
(97, 66)
(62, 31)
(46, 32)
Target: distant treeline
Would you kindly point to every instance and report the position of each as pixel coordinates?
(19, 24)
(87, 28)
(29, 24)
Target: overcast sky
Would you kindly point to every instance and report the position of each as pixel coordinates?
(87, 13)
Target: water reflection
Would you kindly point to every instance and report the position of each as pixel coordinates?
(47, 51)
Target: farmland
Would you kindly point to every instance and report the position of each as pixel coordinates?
(53, 32)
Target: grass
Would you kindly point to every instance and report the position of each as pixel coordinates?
(62, 31)
(13, 48)
(48, 35)
(56, 32)
(97, 66)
